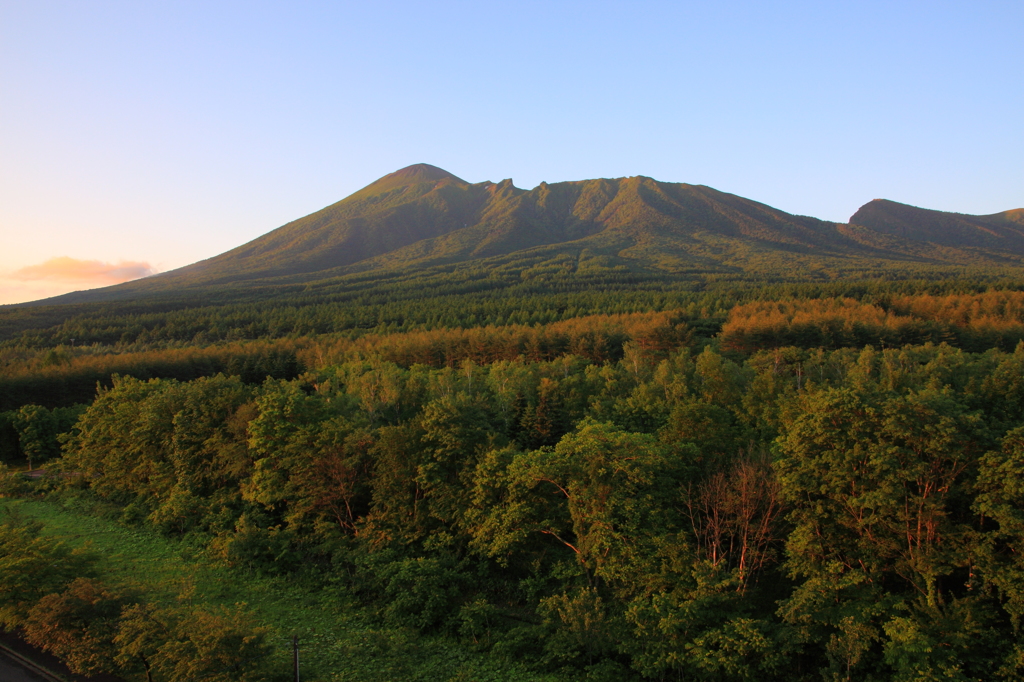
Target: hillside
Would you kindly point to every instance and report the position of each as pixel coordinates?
(999, 231)
(423, 217)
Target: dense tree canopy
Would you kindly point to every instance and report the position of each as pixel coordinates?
(671, 511)
(830, 488)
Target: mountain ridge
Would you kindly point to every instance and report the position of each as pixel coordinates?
(997, 230)
(424, 216)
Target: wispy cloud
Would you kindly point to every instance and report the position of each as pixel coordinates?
(61, 275)
(94, 272)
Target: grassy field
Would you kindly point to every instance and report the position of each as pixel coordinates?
(338, 639)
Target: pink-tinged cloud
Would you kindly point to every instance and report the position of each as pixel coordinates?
(94, 272)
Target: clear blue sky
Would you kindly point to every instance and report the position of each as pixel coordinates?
(163, 133)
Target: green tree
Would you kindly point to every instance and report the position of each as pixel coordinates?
(456, 430)
(398, 512)
(875, 483)
(220, 645)
(718, 380)
(1000, 502)
(141, 630)
(77, 625)
(37, 433)
(122, 446)
(607, 496)
(32, 566)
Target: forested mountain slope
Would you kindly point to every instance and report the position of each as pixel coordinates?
(423, 217)
(999, 231)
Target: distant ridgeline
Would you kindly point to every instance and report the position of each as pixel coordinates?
(612, 429)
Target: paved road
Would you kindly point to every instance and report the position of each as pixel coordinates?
(10, 671)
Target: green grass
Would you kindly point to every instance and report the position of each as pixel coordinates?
(339, 640)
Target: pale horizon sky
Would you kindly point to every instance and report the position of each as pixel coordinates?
(140, 137)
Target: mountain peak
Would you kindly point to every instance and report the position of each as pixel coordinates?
(997, 231)
(414, 174)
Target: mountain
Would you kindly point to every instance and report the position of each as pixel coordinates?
(999, 231)
(423, 217)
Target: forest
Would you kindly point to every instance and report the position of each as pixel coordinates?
(778, 482)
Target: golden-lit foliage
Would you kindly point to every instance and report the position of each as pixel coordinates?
(971, 321)
(598, 338)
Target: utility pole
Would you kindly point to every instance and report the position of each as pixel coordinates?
(295, 655)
